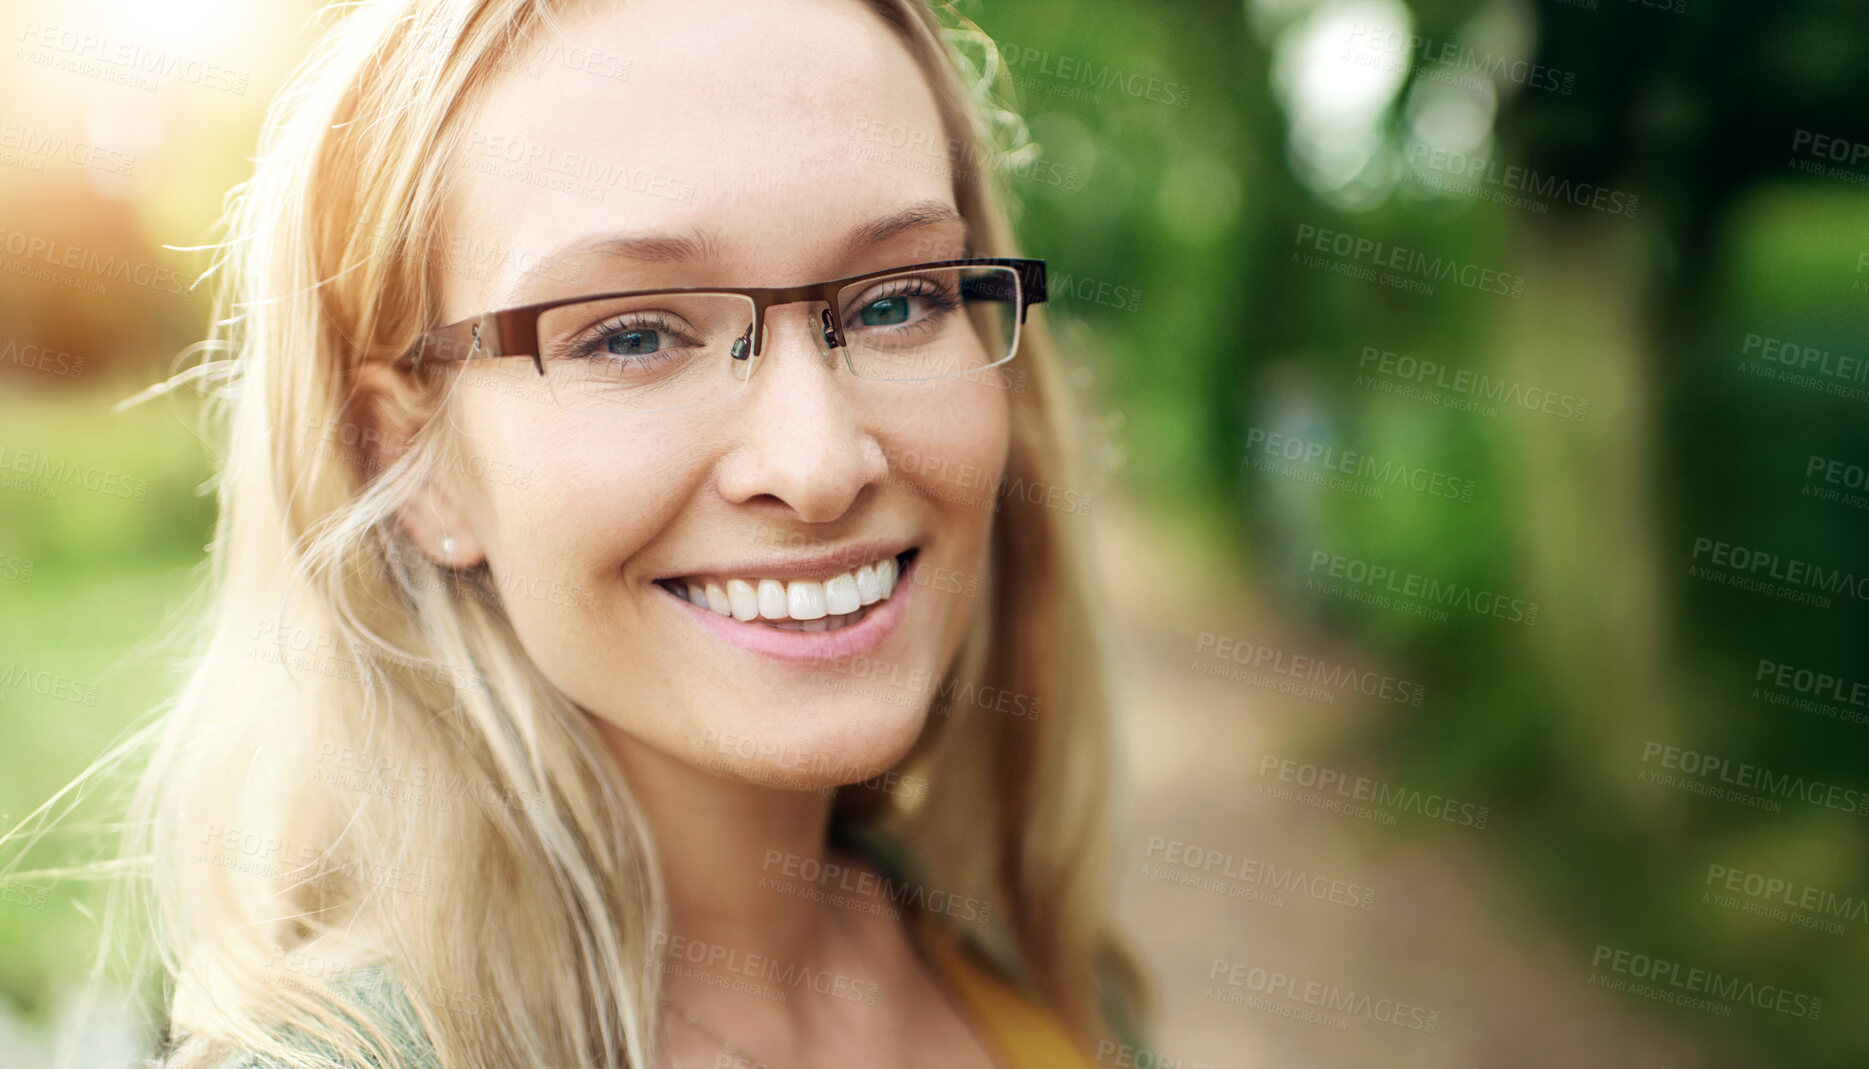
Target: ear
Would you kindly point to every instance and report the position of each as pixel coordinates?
(435, 517)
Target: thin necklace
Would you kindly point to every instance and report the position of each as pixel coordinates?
(714, 1034)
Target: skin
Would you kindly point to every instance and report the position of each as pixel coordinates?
(753, 107)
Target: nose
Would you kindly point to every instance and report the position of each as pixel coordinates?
(799, 439)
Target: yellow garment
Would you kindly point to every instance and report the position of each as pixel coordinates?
(1017, 1032)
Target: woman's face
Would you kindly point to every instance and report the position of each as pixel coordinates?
(738, 136)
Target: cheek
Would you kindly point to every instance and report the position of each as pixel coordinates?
(581, 493)
(951, 448)
(580, 498)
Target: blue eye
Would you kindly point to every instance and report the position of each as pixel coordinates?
(885, 313)
(633, 342)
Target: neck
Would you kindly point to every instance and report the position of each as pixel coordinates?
(726, 846)
(723, 844)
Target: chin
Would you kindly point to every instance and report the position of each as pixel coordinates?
(854, 734)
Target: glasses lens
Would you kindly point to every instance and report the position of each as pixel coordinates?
(931, 323)
(646, 354)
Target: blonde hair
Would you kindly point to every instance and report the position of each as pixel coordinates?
(334, 647)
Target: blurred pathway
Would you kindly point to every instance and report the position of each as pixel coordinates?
(1442, 936)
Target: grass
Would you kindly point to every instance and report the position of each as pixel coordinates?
(101, 536)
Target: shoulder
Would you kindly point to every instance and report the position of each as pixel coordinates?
(982, 965)
(1015, 1027)
(373, 997)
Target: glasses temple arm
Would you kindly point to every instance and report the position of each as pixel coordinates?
(1031, 285)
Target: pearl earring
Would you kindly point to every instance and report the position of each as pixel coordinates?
(447, 546)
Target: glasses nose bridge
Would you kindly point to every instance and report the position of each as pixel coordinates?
(830, 319)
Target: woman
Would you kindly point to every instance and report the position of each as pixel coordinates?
(698, 678)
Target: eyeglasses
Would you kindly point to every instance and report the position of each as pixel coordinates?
(657, 350)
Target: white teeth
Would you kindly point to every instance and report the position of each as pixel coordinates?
(805, 598)
(833, 604)
(840, 594)
(822, 623)
(742, 599)
(772, 599)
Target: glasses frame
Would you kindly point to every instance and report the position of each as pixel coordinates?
(515, 331)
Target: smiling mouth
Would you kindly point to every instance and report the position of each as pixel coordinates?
(830, 604)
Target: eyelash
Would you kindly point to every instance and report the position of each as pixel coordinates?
(654, 321)
(939, 301)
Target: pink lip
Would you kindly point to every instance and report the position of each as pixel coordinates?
(810, 646)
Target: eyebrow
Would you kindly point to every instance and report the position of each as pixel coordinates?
(914, 217)
(692, 244)
(695, 244)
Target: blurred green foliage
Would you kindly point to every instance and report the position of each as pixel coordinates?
(1694, 108)
(86, 621)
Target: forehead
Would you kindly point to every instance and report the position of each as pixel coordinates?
(744, 123)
